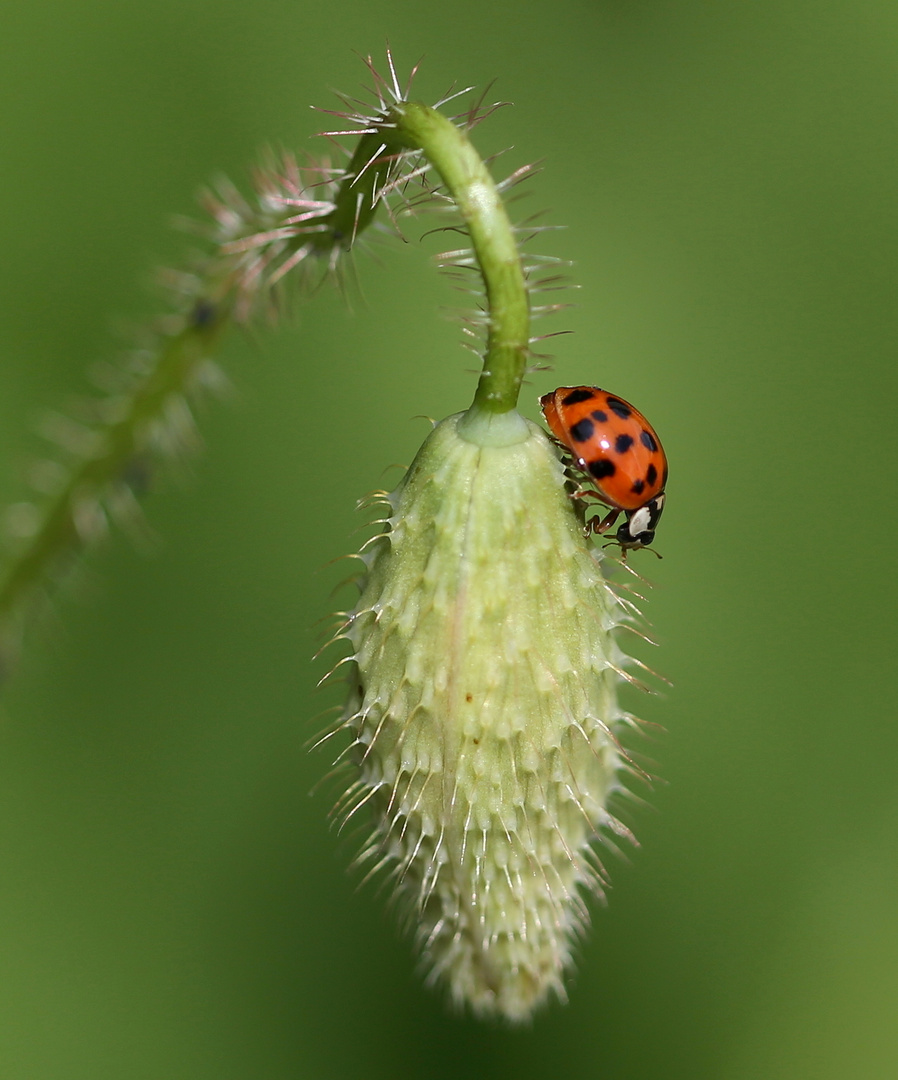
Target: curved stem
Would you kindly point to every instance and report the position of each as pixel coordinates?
(492, 236)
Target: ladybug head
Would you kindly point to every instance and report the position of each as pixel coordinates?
(638, 530)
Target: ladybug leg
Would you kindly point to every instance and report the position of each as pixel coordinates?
(602, 525)
(587, 493)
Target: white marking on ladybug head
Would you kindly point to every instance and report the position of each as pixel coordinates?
(640, 520)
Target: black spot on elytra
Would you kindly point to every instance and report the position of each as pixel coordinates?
(582, 393)
(648, 440)
(582, 430)
(599, 416)
(601, 468)
(638, 487)
(623, 443)
(619, 408)
(651, 476)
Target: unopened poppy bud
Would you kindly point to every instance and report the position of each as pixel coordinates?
(484, 710)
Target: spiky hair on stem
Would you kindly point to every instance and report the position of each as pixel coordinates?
(386, 170)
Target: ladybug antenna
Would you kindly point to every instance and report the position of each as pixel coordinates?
(624, 549)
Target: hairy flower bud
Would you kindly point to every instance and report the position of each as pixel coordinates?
(484, 711)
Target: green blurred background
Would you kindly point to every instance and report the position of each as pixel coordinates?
(172, 903)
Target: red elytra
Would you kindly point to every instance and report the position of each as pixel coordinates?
(614, 445)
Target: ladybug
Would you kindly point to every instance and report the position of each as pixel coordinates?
(617, 449)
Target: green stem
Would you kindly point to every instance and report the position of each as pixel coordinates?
(356, 201)
(121, 443)
(492, 237)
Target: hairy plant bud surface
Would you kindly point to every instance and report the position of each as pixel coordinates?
(484, 712)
